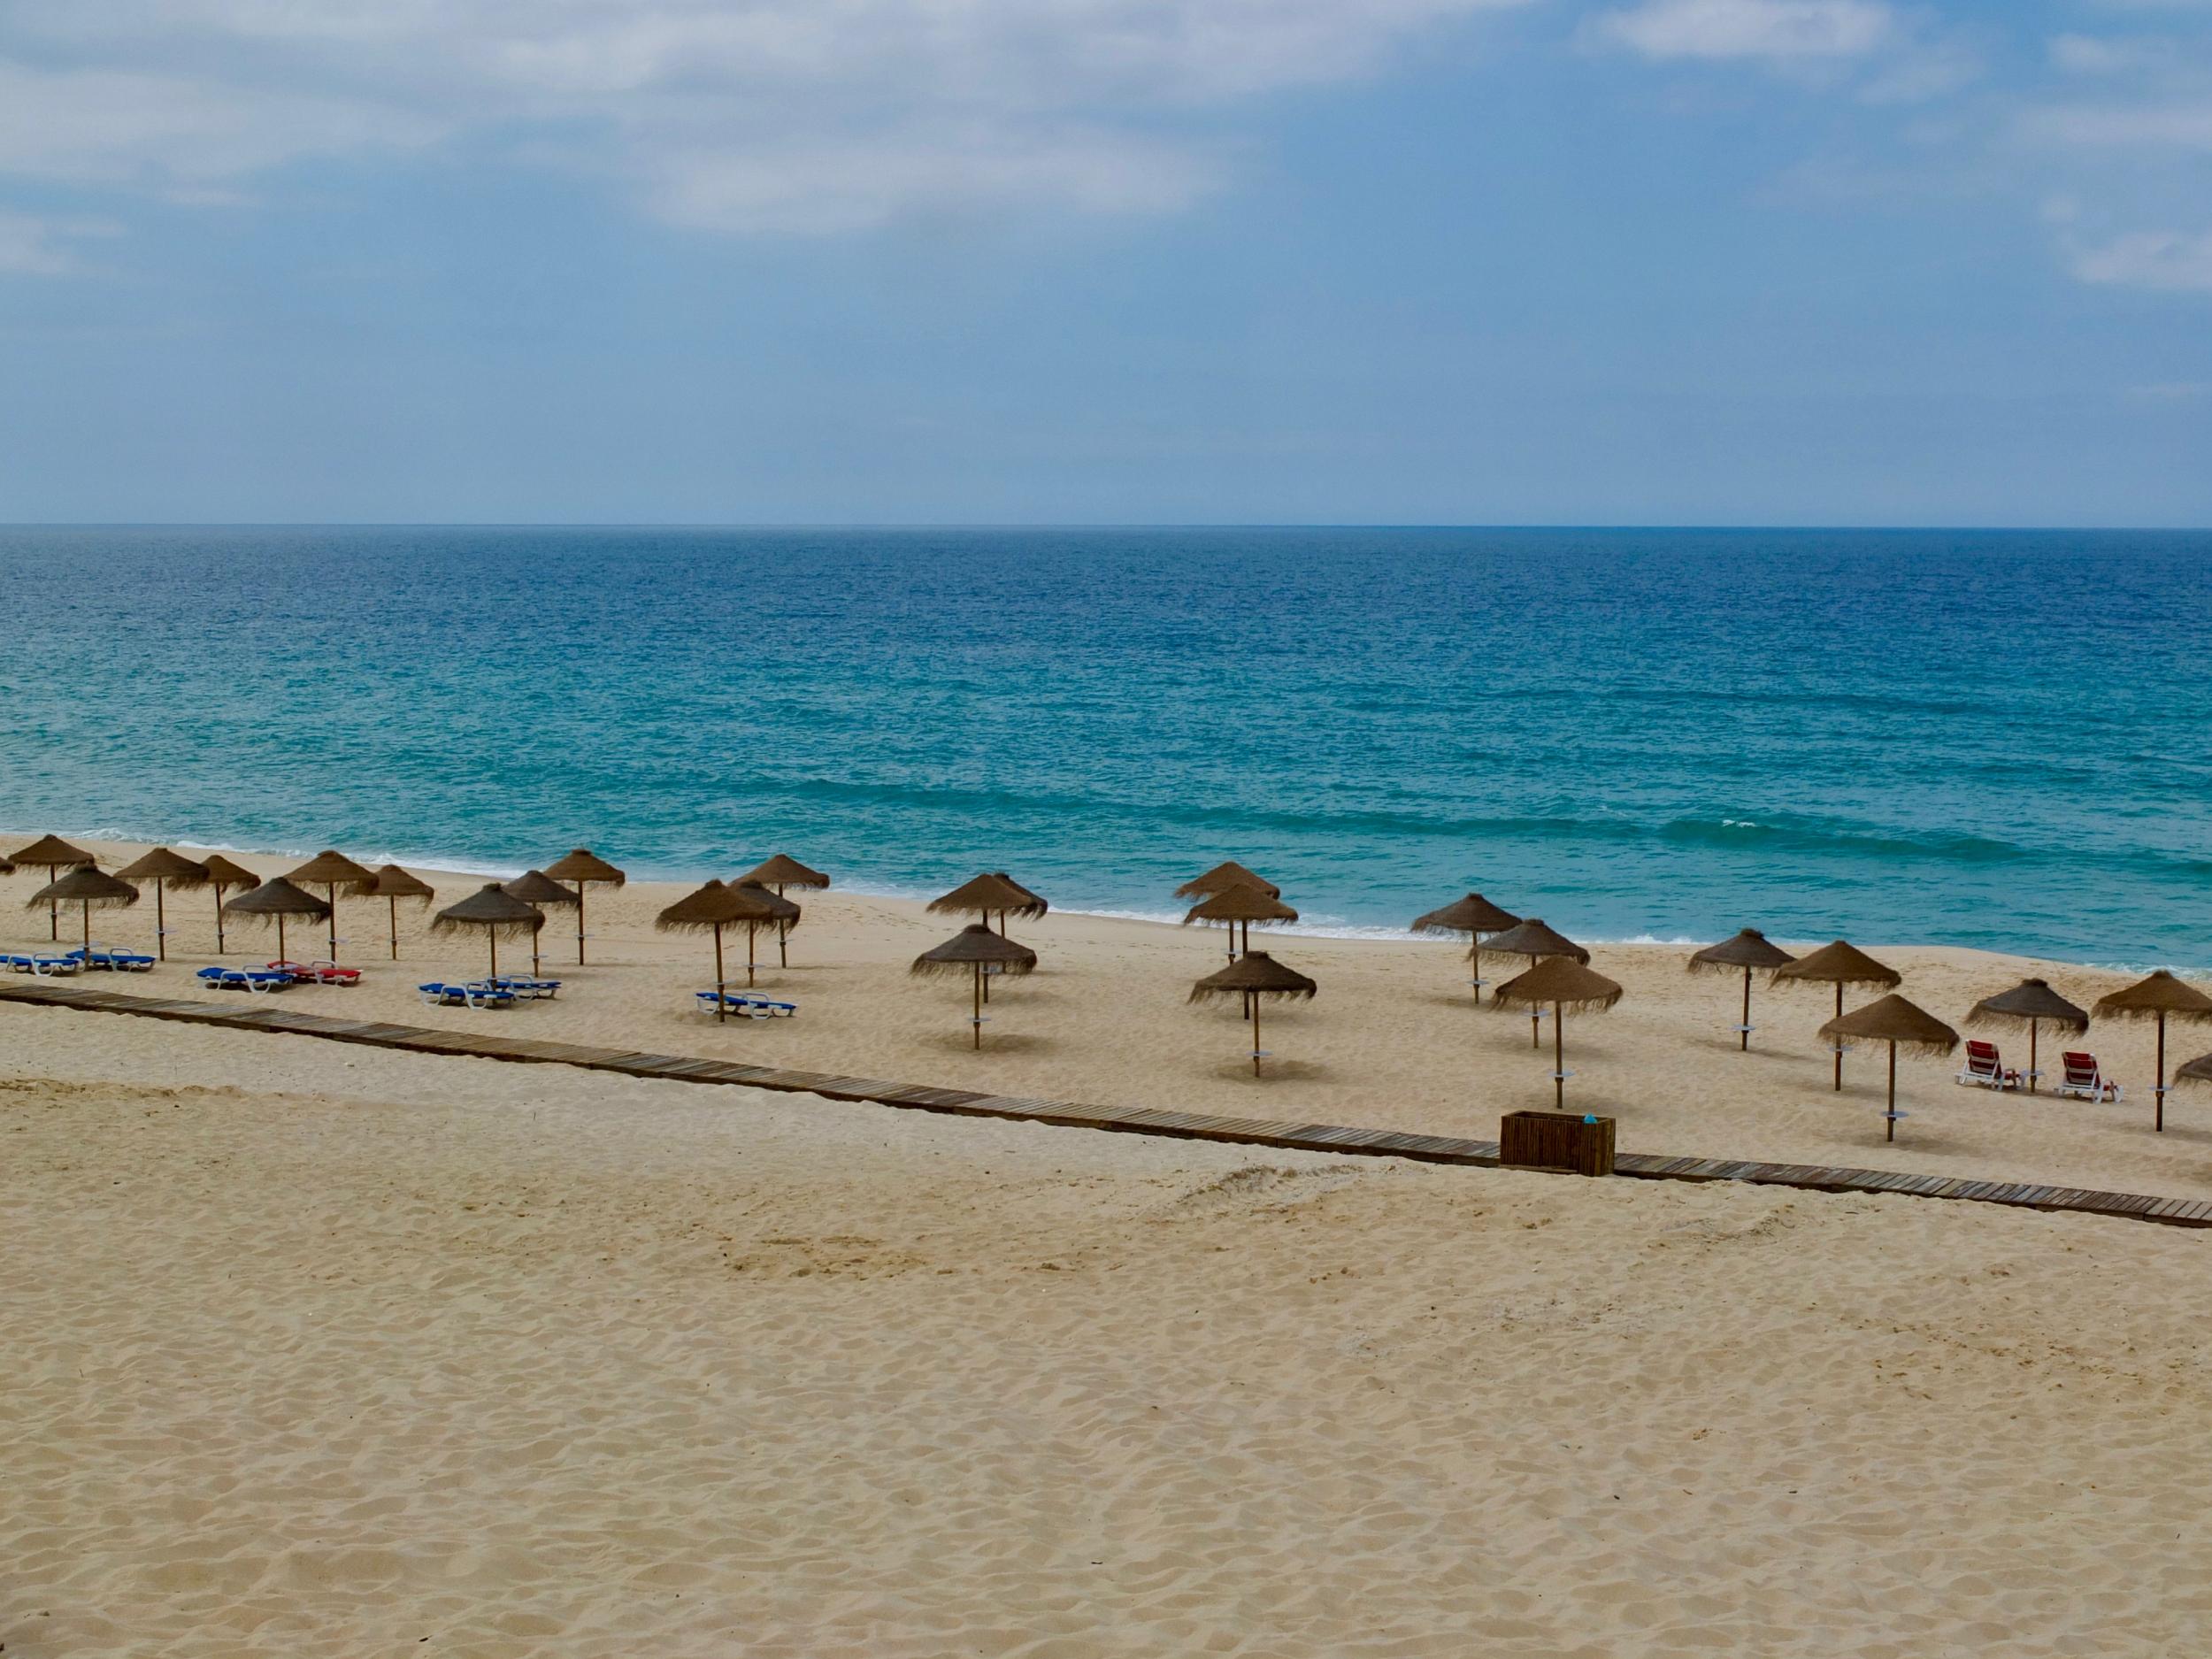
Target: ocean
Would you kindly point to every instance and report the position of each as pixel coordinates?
(1996, 739)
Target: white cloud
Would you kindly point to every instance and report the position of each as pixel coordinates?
(2165, 260)
(31, 245)
(2125, 125)
(1769, 29)
(780, 115)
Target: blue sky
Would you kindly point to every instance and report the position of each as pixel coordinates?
(1461, 261)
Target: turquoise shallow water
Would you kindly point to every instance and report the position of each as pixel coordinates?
(1993, 739)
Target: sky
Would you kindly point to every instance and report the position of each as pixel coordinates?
(1107, 261)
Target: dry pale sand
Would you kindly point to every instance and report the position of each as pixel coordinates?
(321, 1350)
(1390, 1041)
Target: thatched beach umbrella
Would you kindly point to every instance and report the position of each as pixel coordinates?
(1228, 873)
(1530, 937)
(225, 873)
(166, 870)
(332, 871)
(1900, 1024)
(495, 909)
(2160, 997)
(1569, 987)
(2196, 1071)
(537, 889)
(1034, 907)
(1240, 906)
(274, 900)
(2031, 1003)
(1469, 918)
(783, 914)
(710, 909)
(87, 887)
(393, 884)
(53, 854)
(1253, 976)
(1838, 964)
(1750, 949)
(986, 895)
(581, 867)
(776, 873)
(972, 950)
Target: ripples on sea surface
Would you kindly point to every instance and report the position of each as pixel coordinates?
(1996, 739)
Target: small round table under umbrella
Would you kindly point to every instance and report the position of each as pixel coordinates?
(1569, 987)
(53, 854)
(1532, 937)
(393, 884)
(89, 890)
(332, 871)
(975, 950)
(776, 873)
(224, 873)
(166, 870)
(537, 889)
(1750, 950)
(2031, 1003)
(1838, 965)
(1901, 1024)
(493, 910)
(710, 908)
(2160, 997)
(273, 901)
(581, 867)
(1469, 918)
(985, 896)
(1253, 976)
(1228, 873)
(1240, 906)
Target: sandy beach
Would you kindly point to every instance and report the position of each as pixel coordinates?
(315, 1350)
(1392, 1039)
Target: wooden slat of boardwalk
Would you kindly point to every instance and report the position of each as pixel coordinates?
(259, 1014)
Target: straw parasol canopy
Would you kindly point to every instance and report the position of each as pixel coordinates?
(53, 854)
(778, 872)
(225, 873)
(392, 885)
(537, 889)
(1900, 1024)
(1255, 975)
(274, 900)
(785, 913)
(710, 908)
(166, 870)
(1228, 873)
(1469, 918)
(1241, 905)
(1530, 937)
(1570, 987)
(331, 872)
(2031, 1003)
(581, 867)
(2196, 1071)
(89, 890)
(975, 950)
(1750, 950)
(986, 894)
(1838, 965)
(2160, 997)
(495, 910)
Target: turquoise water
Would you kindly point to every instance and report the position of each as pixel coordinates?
(1992, 738)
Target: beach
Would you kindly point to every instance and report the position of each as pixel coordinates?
(318, 1349)
(1391, 1040)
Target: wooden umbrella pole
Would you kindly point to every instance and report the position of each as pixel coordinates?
(580, 924)
(2159, 1093)
(1536, 1026)
(535, 966)
(219, 919)
(1839, 1089)
(1475, 957)
(161, 925)
(721, 1011)
(975, 1017)
(1745, 1032)
(87, 933)
(1256, 1036)
(1558, 1056)
(53, 910)
(391, 904)
(2032, 1071)
(332, 890)
(491, 936)
(751, 932)
(282, 957)
(1890, 1126)
(783, 936)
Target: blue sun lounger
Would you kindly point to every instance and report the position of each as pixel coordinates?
(746, 1006)
(536, 990)
(248, 979)
(46, 964)
(473, 994)
(116, 961)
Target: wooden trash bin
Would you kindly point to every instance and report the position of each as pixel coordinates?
(1560, 1141)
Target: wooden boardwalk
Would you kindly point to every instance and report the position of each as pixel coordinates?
(259, 1013)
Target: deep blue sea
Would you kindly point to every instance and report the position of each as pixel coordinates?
(1996, 739)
